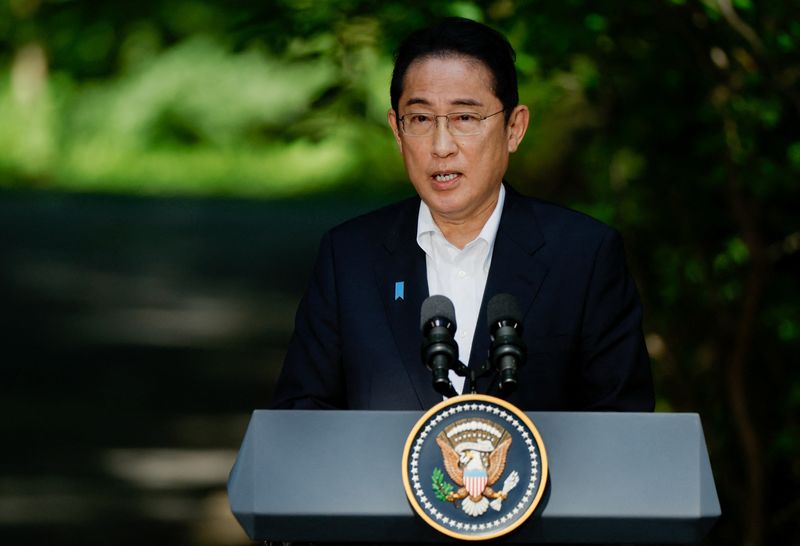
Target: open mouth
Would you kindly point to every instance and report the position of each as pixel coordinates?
(445, 177)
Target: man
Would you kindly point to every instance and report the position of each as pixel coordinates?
(468, 235)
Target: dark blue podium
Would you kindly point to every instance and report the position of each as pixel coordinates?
(336, 476)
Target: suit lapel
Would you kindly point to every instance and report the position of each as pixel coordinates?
(405, 262)
(515, 270)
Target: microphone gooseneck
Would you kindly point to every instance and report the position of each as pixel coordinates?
(508, 351)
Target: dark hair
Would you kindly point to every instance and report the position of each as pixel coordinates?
(458, 36)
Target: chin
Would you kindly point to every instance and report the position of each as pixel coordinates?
(447, 208)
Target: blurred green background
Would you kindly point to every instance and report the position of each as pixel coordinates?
(167, 168)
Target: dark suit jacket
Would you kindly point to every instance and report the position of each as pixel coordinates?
(355, 346)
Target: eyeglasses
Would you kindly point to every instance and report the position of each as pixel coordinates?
(458, 123)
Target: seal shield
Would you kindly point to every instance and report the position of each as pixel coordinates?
(474, 467)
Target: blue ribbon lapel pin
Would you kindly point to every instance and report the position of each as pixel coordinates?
(400, 291)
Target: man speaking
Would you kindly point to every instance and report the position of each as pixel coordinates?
(468, 235)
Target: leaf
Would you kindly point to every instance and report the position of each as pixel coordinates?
(441, 488)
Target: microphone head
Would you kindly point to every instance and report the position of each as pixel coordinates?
(502, 307)
(437, 307)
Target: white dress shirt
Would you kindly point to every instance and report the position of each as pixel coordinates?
(459, 274)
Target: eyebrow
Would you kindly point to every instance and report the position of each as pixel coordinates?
(456, 102)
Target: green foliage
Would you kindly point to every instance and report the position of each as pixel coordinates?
(441, 487)
(198, 118)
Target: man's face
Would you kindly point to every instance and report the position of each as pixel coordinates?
(458, 177)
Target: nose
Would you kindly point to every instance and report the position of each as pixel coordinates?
(443, 143)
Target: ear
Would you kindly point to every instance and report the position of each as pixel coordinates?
(393, 123)
(517, 126)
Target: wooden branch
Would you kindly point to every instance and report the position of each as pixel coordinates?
(737, 374)
(744, 30)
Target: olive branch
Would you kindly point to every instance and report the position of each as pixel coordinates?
(441, 487)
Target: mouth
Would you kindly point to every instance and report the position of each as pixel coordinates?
(445, 178)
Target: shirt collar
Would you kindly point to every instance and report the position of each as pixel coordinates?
(427, 228)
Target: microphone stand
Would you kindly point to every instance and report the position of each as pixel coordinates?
(473, 374)
(470, 376)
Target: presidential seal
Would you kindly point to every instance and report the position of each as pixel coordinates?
(474, 467)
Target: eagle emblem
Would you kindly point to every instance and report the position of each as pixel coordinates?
(474, 454)
(474, 467)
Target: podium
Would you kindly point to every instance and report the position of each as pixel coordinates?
(335, 476)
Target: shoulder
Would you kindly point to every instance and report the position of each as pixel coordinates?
(560, 220)
(559, 224)
(378, 225)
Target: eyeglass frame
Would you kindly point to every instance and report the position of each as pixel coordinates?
(436, 117)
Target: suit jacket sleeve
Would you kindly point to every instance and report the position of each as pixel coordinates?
(312, 375)
(614, 364)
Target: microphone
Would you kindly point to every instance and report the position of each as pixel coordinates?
(439, 349)
(508, 351)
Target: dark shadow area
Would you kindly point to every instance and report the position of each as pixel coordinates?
(138, 335)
